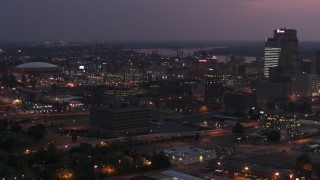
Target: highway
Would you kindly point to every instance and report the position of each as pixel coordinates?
(150, 136)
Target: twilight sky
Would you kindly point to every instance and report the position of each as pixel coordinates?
(156, 19)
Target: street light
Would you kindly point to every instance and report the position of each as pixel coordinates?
(147, 163)
(291, 176)
(245, 171)
(94, 170)
(27, 151)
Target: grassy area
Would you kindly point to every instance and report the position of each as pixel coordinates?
(277, 159)
(78, 120)
(20, 142)
(225, 139)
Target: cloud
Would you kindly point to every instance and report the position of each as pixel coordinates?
(283, 6)
(155, 19)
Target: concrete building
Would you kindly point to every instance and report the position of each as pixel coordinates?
(282, 51)
(288, 125)
(40, 70)
(189, 155)
(239, 102)
(120, 95)
(29, 95)
(271, 54)
(289, 48)
(300, 85)
(246, 70)
(213, 90)
(314, 85)
(199, 91)
(273, 90)
(250, 170)
(315, 64)
(120, 120)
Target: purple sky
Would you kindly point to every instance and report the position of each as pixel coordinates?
(156, 19)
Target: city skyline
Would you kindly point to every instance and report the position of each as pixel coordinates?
(159, 89)
(156, 20)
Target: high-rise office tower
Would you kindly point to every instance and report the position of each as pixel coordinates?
(282, 50)
(315, 64)
(271, 54)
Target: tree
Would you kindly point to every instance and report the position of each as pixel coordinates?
(274, 136)
(16, 127)
(85, 147)
(303, 162)
(61, 125)
(3, 124)
(238, 129)
(74, 138)
(9, 80)
(6, 171)
(316, 170)
(54, 88)
(126, 163)
(196, 137)
(21, 166)
(53, 154)
(271, 105)
(37, 131)
(33, 83)
(159, 160)
(238, 114)
(145, 85)
(8, 143)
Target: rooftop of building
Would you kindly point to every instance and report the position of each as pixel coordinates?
(240, 164)
(115, 108)
(188, 151)
(35, 65)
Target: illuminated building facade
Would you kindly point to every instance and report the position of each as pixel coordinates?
(300, 85)
(199, 91)
(289, 48)
(314, 87)
(39, 70)
(315, 64)
(271, 54)
(288, 125)
(189, 155)
(282, 51)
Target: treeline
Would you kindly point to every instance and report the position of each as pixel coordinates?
(83, 162)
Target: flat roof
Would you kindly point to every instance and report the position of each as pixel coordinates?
(119, 109)
(180, 175)
(36, 65)
(187, 150)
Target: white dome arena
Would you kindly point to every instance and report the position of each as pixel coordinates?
(36, 65)
(39, 70)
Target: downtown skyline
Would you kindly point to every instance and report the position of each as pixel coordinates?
(159, 89)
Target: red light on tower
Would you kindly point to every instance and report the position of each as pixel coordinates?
(203, 60)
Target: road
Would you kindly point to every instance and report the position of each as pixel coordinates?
(93, 142)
